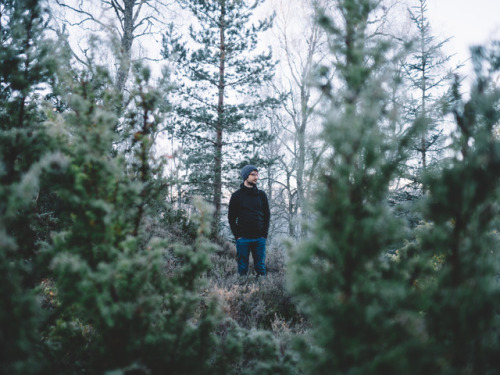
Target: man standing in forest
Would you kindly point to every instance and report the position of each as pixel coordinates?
(249, 216)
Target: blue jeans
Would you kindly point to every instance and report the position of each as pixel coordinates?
(256, 246)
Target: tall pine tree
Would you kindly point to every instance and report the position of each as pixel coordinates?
(219, 105)
(357, 299)
(427, 75)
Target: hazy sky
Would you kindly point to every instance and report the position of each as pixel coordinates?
(469, 22)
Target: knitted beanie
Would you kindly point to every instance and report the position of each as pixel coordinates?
(246, 170)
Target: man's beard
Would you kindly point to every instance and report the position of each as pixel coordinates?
(252, 183)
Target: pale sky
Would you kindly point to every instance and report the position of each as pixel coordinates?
(469, 22)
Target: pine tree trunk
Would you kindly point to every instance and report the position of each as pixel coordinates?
(220, 123)
(424, 94)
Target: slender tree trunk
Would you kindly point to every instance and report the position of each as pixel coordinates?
(424, 93)
(301, 160)
(144, 171)
(220, 123)
(291, 211)
(270, 179)
(126, 44)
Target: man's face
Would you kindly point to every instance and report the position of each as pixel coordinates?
(252, 178)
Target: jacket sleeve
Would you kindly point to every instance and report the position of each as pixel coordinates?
(267, 213)
(232, 216)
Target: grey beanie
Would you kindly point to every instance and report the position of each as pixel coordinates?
(246, 170)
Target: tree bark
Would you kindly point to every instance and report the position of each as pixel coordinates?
(126, 44)
(424, 90)
(219, 124)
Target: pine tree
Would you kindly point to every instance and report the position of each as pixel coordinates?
(124, 301)
(461, 302)
(358, 300)
(426, 72)
(26, 64)
(219, 105)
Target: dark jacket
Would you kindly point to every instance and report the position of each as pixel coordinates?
(249, 213)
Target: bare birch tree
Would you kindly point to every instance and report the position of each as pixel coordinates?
(128, 20)
(297, 124)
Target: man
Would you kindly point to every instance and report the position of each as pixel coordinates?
(249, 220)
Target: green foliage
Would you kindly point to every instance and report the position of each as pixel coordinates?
(19, 316)
(253, 352)
(118, 308)
(26, 63)
(462, 304)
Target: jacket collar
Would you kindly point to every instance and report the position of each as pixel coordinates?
(253, 190)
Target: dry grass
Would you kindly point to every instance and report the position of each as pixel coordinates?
(250, 301)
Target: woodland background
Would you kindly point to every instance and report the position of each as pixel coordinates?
(117, 160)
